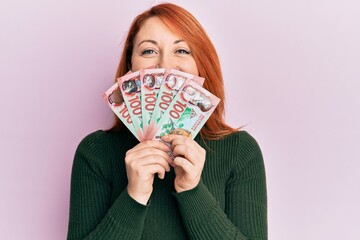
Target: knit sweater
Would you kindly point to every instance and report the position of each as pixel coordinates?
(229, 202)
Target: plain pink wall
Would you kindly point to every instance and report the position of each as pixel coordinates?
(292, 77)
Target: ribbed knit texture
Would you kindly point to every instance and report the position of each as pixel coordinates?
(228, 203)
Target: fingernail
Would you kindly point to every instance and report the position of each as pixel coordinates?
(165, 137)
(167, 146)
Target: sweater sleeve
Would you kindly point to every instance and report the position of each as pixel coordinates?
(91, 216)
(245, 215)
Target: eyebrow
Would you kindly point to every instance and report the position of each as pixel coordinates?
(156, 43)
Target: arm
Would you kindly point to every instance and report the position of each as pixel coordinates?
(245, 215)
(246, 197)
(91, 216)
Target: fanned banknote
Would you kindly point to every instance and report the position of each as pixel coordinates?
(173, 80)
(130, 86)
(188, 111)
(150, 85)
(115, 101)
(156, 102)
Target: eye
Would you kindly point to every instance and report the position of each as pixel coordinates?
(183, 51)
(148, 52)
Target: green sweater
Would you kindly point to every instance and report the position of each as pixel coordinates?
(228, 203)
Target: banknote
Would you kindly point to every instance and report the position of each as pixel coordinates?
(115, 101)
(130, 87)
(150, 85)
(188, 111)
(172, 82)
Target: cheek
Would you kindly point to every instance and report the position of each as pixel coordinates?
(138, 63)
(134, 64)
(195, 70)
(191, 67)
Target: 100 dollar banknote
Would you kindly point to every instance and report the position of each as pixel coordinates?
(172, 82)
(130, 86)
(115, 101)
(188, 111)
(151, 80)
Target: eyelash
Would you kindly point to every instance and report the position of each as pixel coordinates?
(150, 51)
(183, 51)
(147, 52)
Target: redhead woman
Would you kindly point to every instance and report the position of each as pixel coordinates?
(214, 188)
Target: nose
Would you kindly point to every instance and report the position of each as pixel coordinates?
(166, 61)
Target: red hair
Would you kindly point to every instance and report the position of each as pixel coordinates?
(184, 24)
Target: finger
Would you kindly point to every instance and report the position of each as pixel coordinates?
(149, 144)
(174, 140)
(155, 160)
(152, 169)
(184, 164)
(169, 138)
(185, 151)
(192, 147)
(185, 141)
(149, 151)
(161, 175)
(181, 140)
(138, 163)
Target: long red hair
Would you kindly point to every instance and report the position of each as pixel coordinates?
(185, 25)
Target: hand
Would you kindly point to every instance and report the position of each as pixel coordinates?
(142, 162)
(188, 162)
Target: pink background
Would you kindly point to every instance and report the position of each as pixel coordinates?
(292, 78)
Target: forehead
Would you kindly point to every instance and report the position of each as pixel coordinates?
(155, 29)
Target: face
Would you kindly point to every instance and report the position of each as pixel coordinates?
(156, 46)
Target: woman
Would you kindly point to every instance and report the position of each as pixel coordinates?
(123, 189)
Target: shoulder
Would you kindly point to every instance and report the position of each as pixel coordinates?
(246, 143)
(250, 160)
(233, 149)
(241, 135)
(240, 141)
(100, 149)
(101, 137)
(233, 154)
(93, 142)
(90, 148)
(244, 147)
(92, 138)
(101, 143)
